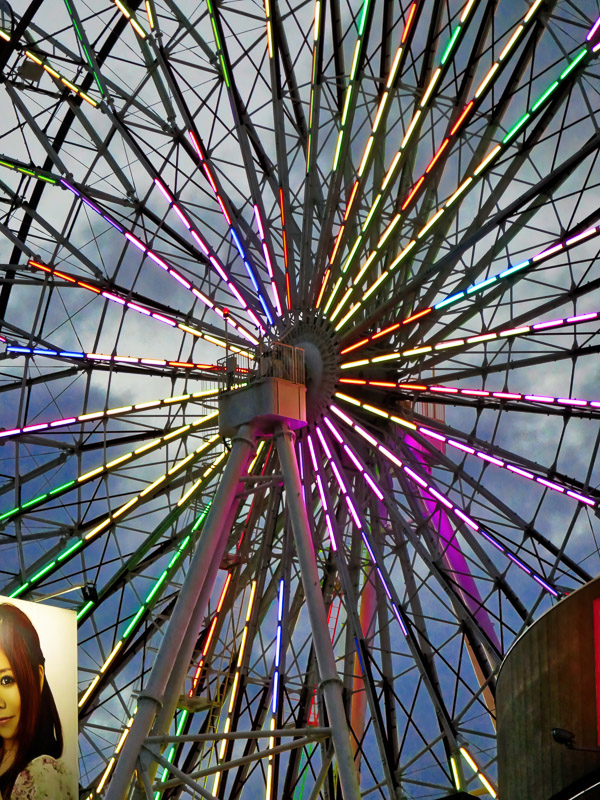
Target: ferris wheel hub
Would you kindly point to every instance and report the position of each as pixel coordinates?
(320, 342)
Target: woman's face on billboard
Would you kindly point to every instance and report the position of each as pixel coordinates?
(10, 701)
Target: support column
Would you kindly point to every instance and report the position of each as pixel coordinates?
(179, 670)
(368, 612)
(191, 603)
(330, 682)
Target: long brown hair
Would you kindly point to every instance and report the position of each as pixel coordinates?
(39, 731)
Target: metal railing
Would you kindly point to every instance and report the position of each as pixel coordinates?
(272, 361)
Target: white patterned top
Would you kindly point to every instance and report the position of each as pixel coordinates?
(44, 778)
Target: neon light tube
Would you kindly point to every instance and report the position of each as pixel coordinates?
(138, 618)
(547, 252)
(261, 231)
(106, 359)
(121, 300)
(207, 251)
(478, 454)
(58, 77)
(131, 19)
(485, 336)
(494, 153)
(232, 232)
(456, 510)
(148, 252)
(236, 681)
(107, 467)
(32, 171)
(384, 577)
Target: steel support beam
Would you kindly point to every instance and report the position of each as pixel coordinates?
(329, 680)
(224, 766)
(191, 603)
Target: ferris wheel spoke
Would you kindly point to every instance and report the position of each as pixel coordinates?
(313, 202)
(107, 86)
(150, 551)
(398, 607)
(516, 332)
(490, 289)
(432, 226)
(377, 131)
(413, 600)
(275, 45)
(241, 122)
(515, 362)
(460, 518)
(465, 574)
(174, 273)
(351, 89)
(499, 457)
(90, 529)
(118, 363)
(531, 272)
(134, 624)
(59, 138)
(120, 125)
(498, 360)
(440, 279)
(306, 140)
(485, 136)
(521, 526)
(85, 44)
(243, 296)
(381, 498)
(53, 234)
(147, 306)
(401, 527)
(533, 547)
(429, 79)
(468, 444)
(409, 145)
(208, 254)
(234, 222)
(104, 287)
(481, 399)
(26, 432)
(122, 659)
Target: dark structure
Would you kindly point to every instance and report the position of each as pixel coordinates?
(548, 681)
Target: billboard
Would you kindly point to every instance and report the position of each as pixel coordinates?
(38, 700)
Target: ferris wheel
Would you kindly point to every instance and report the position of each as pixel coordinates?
(391, 209)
